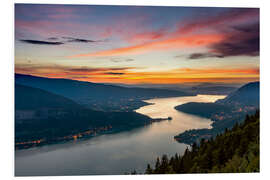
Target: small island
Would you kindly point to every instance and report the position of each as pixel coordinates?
(161, 119)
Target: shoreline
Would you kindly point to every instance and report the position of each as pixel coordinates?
(95, 132)
(83, 135)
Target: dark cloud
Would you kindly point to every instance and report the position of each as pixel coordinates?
(129, 60)
(89, 69)
(220, 20)
(95, 70)
(243, 40)
(114, 73)
(54, 42)
(198, 56)
(180, 56)
(121, 60)
(64, 70)
(53, 38)
(203, 55)
(116, 60)
(248, 28)
(71, 39)
(38, 42)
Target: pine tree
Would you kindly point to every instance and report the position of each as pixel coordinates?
(149, 170)
(236, 150)
(164, 164)
(157, 166)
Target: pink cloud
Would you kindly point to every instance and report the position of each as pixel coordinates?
(235, 16)
(167, 44)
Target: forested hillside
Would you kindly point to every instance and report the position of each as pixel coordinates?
(247, 95)
(33, 98)
(42, 117)
(224, 113)
(203, 109)
(97, 96)
(236, 150)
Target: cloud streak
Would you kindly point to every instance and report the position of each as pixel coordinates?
(242, 41)
(38, 42)
(219, 21)
(65, 71)
(67, 40)
(209, 31)
(118, 60)
(114, 73)
(71, 39)
(253, 71)
(128, 75)
(167, 44)
(203, 55)
(79, 31)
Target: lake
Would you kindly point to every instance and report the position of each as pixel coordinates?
(117, 153)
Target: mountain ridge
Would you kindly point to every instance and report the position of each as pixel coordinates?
(247, 94)
(226, 114)
(42, 117)
(97, 96)
(27, 97)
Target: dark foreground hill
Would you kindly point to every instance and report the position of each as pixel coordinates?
(42, 117)
(234, 151)
(95, 95)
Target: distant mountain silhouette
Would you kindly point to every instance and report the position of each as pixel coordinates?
(34, 98)
(209, 88)
(43, 115)
(94, 93)
(224, 113)
(248, 95)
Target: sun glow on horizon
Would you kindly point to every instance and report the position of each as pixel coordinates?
(135, 46)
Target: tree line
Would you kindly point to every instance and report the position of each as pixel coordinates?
(234, 151)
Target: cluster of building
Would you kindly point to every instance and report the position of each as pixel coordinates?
(90, 132)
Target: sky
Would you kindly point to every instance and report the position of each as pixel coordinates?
(137, 44)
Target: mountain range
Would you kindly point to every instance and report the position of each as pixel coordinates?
(96, 95)
(224, 113)
(247, 95)
(42, 115)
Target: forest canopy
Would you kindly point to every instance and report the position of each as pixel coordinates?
(234, 151)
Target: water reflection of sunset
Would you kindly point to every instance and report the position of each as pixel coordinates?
(164, 107)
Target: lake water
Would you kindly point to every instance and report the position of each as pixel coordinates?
(117, 153)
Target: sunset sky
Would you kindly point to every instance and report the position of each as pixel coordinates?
(135, 44)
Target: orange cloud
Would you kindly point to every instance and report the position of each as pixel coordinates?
(161, 80)
(126, 75)
(183, 37)
(146, 36)
(171, 43)
(220, 71)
